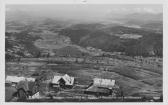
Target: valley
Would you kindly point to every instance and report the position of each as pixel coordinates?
(129, 52)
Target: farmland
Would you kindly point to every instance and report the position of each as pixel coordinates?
(136, 79)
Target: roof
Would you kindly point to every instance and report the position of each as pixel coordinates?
(56, 79)
(17, 79)
(14, 79)
(103, 82)
(35, 96)
(30, 79)
(68, 80)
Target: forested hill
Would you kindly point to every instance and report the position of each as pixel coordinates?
(109, 39)
(20, 44)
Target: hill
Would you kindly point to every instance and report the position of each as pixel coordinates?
(107, 39)
(20, 44)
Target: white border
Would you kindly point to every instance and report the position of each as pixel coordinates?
(2, 51)
(165, 40)
(84, 1)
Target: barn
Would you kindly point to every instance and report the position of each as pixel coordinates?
(100, 87)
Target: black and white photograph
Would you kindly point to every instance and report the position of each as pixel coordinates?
(84, 53)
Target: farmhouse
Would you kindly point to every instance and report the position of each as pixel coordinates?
(63, 81)
(100, 87)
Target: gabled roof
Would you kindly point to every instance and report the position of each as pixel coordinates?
(68, 80)
(56, 79)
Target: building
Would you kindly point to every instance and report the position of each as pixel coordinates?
(30, 79)
(35, 96)
(100, 87)
(15, 79)
(23, 86)
(106, 83)
(63, 81)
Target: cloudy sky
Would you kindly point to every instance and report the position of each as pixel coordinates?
(83, 11)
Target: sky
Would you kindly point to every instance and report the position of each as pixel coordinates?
(85, 11)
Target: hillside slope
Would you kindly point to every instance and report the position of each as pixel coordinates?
(20, 44)
(107, 39)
